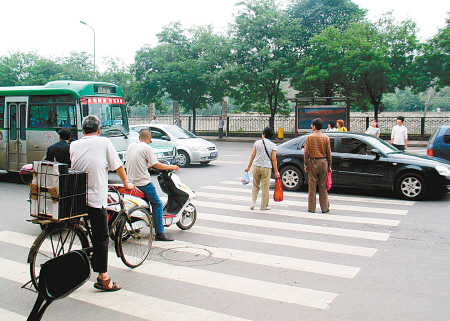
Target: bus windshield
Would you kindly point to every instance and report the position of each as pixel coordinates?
(113, 118)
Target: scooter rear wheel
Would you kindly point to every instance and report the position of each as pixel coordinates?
(188, 217)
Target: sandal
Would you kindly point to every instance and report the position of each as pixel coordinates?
(104, 285)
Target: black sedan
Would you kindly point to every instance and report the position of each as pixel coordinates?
(364, 161)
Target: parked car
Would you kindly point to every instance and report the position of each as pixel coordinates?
(364, 161)
(190, 148)
(439, 144)
(162, 153)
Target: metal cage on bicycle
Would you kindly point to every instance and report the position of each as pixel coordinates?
(57, 193)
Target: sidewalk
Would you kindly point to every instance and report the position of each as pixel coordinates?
(411, 143)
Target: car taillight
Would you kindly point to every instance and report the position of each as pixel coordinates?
(430, 152)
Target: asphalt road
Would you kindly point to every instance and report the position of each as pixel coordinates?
(374, 257)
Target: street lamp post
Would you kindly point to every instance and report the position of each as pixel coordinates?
(94, 42)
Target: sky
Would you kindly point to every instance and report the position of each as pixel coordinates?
(52, 28)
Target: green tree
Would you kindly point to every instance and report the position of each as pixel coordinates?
(364, 61)
(118, 73)
(436, 58)
(19, 69)
(186, 64)
(316, 15)
(263, 57)
(76, 66)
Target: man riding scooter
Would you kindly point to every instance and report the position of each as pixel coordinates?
(140, 158)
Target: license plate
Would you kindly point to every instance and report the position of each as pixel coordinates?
(213, 154)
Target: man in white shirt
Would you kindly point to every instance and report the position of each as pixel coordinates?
(96, 155)
(140, 158)
(399, 136)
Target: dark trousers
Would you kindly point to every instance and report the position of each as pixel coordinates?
(220, 132)
(401, 147)
(100, 239)
(317, 175)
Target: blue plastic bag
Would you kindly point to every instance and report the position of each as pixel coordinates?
(245, 179)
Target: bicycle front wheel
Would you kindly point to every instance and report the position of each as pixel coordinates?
(134, 236)
(54, 241)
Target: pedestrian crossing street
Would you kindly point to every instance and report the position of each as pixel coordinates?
(236, 263)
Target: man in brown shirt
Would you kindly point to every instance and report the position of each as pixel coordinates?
(317, 160)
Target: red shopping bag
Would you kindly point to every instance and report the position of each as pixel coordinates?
(329, 180)
(278, 193)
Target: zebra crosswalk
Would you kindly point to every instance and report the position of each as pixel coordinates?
(236, 263)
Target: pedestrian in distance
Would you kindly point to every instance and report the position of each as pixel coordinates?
(399, 136)
(140, 158)
(59, 152)
(96, 155)
(340, 126)
(221, 124)
(153, 121)
(373, 129)
(331, 126)
(317, 162)
(263, 159)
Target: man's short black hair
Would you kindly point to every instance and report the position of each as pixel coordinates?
(332, 123)
(268, 132)
(401, 118)
(317, 123)
(64, 133)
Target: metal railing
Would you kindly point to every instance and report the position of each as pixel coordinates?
(240, 125)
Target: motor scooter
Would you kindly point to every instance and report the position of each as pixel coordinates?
(178, 209)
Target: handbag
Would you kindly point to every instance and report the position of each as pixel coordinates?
(278, 193)
(245, 179)
(329, 180)
(270, 159)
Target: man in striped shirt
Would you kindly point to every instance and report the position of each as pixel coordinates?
(317, 160)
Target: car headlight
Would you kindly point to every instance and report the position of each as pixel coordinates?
(444, 171)
(199, 148)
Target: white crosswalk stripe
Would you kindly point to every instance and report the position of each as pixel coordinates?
(299, 214)
(360, 209)
(354, 229)
(297, 227)
(356, 199)
(123, 301)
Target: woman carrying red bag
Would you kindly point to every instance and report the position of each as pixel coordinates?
(265, 157)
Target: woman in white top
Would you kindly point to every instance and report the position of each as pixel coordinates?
(262, 167)
(373, 129)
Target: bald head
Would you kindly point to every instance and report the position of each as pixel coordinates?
(145, 135)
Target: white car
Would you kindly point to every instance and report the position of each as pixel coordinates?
(190, 148)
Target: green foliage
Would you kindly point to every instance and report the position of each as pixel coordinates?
(186, 65)
(317, 15)
(363, 61)
(436, 59)
(407, 100)
(263, 57)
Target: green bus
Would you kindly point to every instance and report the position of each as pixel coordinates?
(30, 117)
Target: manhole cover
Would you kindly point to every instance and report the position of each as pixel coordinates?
(194, 255)
(186, 254)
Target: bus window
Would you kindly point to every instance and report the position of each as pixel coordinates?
(12, 122)
(52, 111)
(23, 118)
(2, 112)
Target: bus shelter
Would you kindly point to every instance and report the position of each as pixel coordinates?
(325, 108)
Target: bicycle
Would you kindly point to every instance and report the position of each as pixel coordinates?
(133, 224)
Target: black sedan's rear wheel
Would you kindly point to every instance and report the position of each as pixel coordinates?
(292, 178)
(411, 186)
